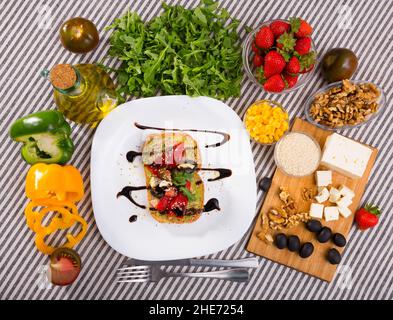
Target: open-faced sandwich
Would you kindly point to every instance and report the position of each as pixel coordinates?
(175, 190)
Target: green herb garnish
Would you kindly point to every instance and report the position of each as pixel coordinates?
(182, 51)
(187, 193)
(179, 178)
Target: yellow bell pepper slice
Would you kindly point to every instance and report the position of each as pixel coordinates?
(66, 221)
(54, 183)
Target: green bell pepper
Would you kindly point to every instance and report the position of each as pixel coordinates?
(45, 136)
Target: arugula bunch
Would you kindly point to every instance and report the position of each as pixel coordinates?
(182, 51)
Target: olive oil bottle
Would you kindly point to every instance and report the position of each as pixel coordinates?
(84, 93)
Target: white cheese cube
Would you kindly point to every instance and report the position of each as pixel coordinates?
(323, 195)
(324, 178)
(316, 210)
(345, 156)
(331, 213)
(334, 195)
(346, 192)
(344, 211)
(344, 202)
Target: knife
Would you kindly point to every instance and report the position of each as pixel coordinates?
(239, 263)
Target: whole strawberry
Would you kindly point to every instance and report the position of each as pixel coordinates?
(274, 84)
(254, 47)
(305, 70)
(279, 27)
(257, 60)
(367, 217)
(264, 38)
(303, 46)
(300, 27)
(274, 64)
(290, 80)
(293, 66)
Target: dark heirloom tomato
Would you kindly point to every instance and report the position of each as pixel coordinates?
(79, 35)
(65, 265)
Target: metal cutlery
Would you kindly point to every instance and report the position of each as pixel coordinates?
(252, 262)
(155, 274)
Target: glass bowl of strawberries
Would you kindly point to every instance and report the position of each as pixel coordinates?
(279, 55)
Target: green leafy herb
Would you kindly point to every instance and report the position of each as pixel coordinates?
(187, 193)
(179, 178)
(182, 51)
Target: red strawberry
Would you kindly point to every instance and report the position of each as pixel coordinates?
(279, 27)
(274, 64)
(290, 80)
(305, 70)
(257, 60)
(367, 217)
(264, 38)
(293, 66)
(303, 45)
(286, 42)
(274, 84)
(254, 48)
(300, 27)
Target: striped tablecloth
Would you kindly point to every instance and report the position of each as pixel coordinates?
(29, 42)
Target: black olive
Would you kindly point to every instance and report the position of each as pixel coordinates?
(265, 184)
(157, 192)
(293, 243)
(324, 235)
(281, 241)
(179, 212)
(314, 226)
(339, 240)
(306, 250)
(333, 256)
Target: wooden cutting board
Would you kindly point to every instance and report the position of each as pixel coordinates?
(316, 265)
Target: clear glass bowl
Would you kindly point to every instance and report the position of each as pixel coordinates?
(312, 170)
(273, 104)
(248, 66)
(381, 107)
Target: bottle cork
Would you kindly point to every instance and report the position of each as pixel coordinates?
(62, 76)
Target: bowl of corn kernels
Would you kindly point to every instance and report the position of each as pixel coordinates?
(266, 121)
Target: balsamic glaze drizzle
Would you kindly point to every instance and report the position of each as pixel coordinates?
(127, 192)
(211, 205)
(222, 173)
(225, 136)
(133, 218)
(131, 155)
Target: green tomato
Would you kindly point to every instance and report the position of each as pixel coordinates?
(79, 35)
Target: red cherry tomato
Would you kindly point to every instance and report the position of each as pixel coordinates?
(163, 203)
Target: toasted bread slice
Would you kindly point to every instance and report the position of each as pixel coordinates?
(155, 145)
(153, 148)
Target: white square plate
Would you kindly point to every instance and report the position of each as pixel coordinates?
(110, 172)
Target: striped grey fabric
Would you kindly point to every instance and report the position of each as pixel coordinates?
(29, 42)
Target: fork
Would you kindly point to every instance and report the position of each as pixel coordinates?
(155, 274)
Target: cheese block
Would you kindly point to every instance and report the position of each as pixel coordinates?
(344, 202)
(316, 210)
(324, 178)
(331, 213)
(323, 195)
(335, 195)
(344, 211)
(346, 192)
(345, 156)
